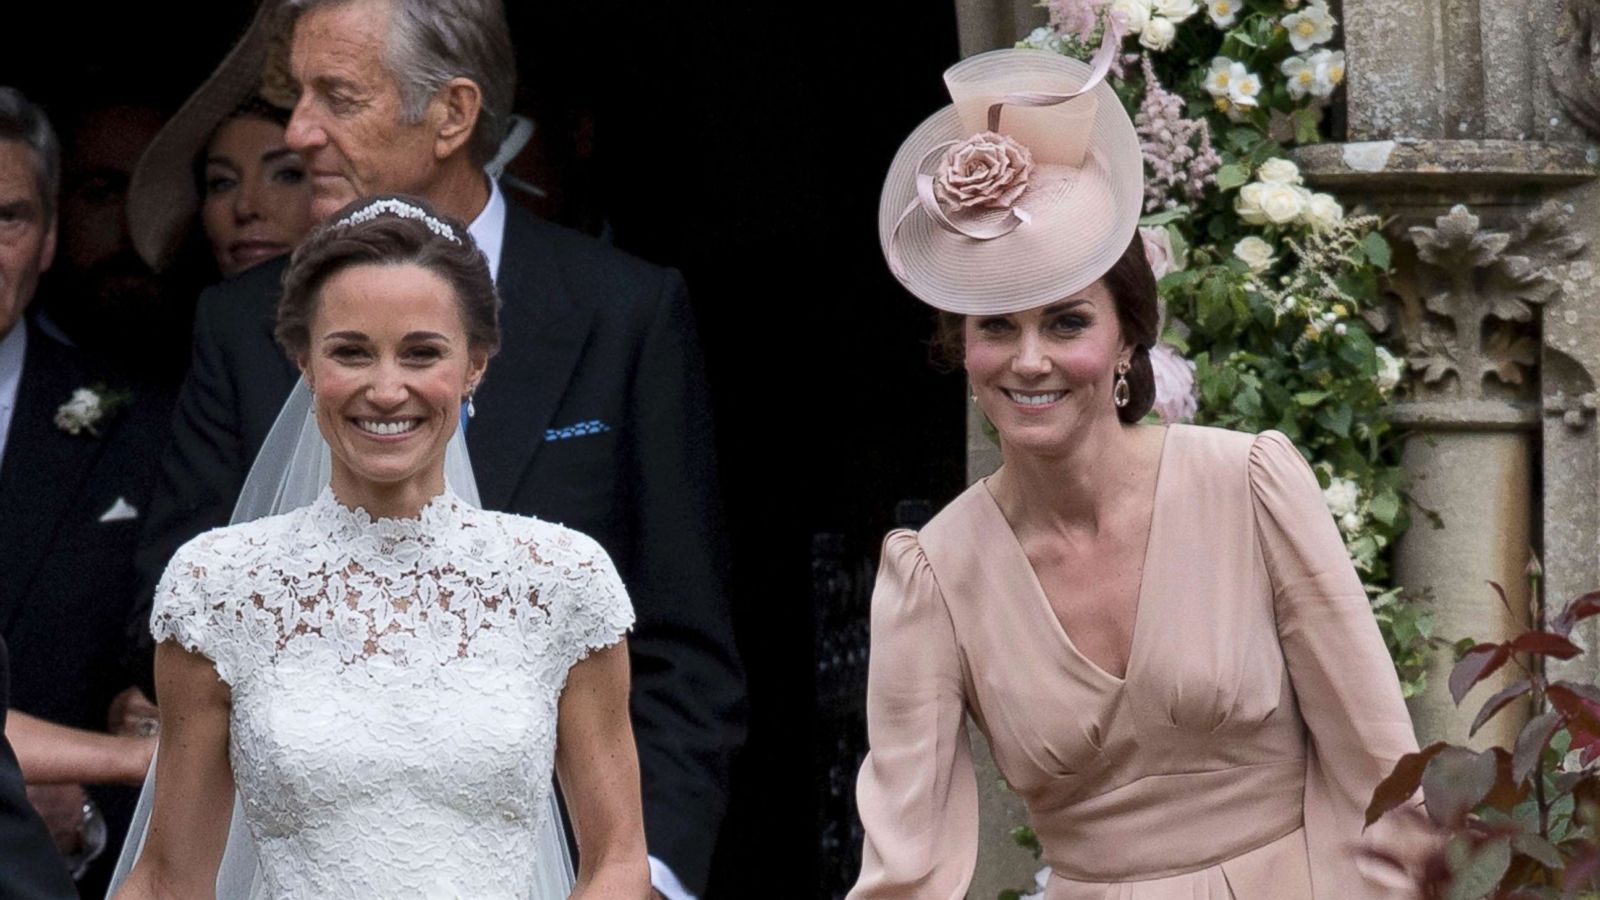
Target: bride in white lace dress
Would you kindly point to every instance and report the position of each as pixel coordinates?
(388, 675)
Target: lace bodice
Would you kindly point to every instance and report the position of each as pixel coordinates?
(394, 687)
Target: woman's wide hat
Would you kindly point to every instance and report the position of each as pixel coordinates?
(1022, 192)
(163, 195)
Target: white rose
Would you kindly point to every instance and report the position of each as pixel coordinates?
(1136, 13)
(1281, 203)
(1342, 495)
(1223, 13)
(1256, 253)
(1323, 212)
(1176, 10)
(1248, 205)
(1158, 34)
(1390, 370)
(1158, 250)
(1279, 171)
(1350, 523)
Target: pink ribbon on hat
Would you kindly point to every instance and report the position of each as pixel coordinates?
(928, 201)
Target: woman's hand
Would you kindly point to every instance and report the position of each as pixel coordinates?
(599, 769)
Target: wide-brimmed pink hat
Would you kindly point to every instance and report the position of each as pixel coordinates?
(1022, 192)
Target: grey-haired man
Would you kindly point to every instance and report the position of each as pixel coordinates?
(595, 416)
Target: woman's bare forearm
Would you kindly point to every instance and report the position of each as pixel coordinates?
(56, 754)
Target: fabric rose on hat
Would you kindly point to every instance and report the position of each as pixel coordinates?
(987, 169)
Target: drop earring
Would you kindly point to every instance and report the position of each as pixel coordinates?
(1121, 393)
(471, 410)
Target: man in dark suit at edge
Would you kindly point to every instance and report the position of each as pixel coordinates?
(594, 414)
(78, 450)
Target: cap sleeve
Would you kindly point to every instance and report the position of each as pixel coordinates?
(188, 607)
(1343, 679)
(916, 793)
(591, 609)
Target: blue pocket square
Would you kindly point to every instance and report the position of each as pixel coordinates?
(582, 429)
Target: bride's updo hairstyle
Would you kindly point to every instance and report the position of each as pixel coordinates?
(383, 231)
(1132, 285)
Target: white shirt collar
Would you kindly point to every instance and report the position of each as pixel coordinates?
(488, 230)
(13, 350)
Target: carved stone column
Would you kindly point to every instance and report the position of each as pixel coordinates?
(1452, 102)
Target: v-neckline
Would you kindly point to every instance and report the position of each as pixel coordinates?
(1043, 599)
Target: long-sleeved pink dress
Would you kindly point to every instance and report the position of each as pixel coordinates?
(1234, 760)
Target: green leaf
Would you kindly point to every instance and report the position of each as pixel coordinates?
(1248, 402)
(1336, 419)
(1165, 216)
(1305, 125)
(1537, 848)
(1477, 872)
(1311, 398)
(1377, 250)
(1385, 507)
(1232, 176)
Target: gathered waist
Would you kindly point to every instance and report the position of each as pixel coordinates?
(1167, 825)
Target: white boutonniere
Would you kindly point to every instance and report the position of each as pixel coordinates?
(88, 407)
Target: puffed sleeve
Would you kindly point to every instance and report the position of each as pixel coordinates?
(595, 611)
(1343, 679)
(187, 609)
(917, 793)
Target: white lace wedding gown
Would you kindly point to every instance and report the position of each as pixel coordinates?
(394, 687)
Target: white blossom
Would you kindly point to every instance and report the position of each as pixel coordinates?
(1136, 13)
(1282, 203)
(1327, 71)
(1243, 85)
(1301, 75)
(1323, 212)
(1176, 10)
(1310, 27)
(1390, 370)
(1279, 171)
(1219, 76)
(1158, 34)
(80, 413)
(1342, 495)
(1350, 523)
(1256, 253)
(1043, 38)
(1223, 13)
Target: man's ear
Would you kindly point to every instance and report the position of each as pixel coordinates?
(455, 112)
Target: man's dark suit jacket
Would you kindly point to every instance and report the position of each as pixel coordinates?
(594, 415)
(30, 868)
(67, 579)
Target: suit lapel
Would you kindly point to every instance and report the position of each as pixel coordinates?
(543, 333)
(43, 466)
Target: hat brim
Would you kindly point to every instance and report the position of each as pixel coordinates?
(162, 194)
(1080, 219)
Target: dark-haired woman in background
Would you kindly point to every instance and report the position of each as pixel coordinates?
(1158, 629)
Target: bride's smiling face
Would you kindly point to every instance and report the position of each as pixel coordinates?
(389, 363)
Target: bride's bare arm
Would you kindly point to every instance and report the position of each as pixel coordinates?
(194, 782)
(599, 769)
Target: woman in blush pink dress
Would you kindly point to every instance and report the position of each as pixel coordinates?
(1158, 629)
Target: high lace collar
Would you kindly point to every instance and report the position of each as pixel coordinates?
(441, 514)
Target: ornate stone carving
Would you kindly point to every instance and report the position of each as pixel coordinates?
(1575, 65)
(1465, 305)
(1574, 411)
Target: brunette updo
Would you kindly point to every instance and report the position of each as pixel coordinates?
(388, 239)
(1133, 289)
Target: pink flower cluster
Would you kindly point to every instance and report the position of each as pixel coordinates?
(1076, 18)
(1178, 150)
